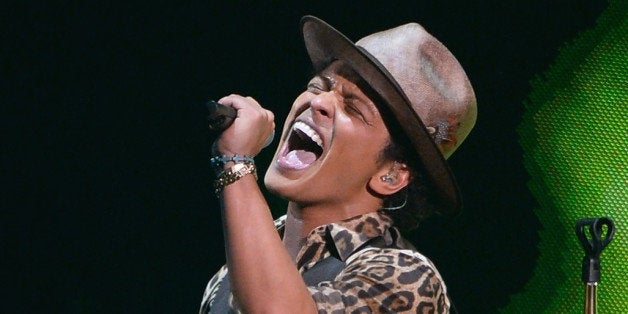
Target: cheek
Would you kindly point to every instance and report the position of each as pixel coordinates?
(343, 120)
(361, 150)
(368, 140)
(355, 136)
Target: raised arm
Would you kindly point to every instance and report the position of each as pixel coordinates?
(263, 276)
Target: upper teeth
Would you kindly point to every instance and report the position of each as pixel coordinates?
(309, 132)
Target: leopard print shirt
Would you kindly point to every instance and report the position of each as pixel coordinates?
(393, 279)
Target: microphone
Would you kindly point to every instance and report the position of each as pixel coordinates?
(221, 117)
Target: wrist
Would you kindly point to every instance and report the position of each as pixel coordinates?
(231, 168)
(233, 174)
(223, 162)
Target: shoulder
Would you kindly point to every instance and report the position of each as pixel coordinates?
(392, 256)
(403, 259)
(384, 280)
(399, 269)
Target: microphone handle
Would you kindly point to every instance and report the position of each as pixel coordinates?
(221, 117)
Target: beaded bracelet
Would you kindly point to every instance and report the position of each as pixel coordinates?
(233, 174)
(218, 162)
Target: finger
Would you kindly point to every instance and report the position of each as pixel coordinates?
(234, 100)
(228, 100)
(253, 102)
(270, 116)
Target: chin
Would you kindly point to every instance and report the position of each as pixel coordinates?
(283, 182)
(290, 184)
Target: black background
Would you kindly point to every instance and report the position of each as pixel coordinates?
(106, 203)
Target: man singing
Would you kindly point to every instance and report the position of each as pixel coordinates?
(362, 155)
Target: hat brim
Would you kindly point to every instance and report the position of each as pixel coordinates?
(325, 44)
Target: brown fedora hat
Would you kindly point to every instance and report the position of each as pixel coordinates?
(420, 81)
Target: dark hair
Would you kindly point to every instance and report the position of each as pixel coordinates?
(416, 195)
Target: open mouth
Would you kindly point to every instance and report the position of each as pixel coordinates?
(304, 146)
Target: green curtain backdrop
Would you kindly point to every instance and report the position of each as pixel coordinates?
(574, 135)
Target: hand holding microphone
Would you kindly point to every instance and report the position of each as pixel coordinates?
(252, 118)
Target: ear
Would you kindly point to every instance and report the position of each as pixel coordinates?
(392, 177)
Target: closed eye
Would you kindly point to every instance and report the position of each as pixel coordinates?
(351, 106)
(318, 84)
(314, 88)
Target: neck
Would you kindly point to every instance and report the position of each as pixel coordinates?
(302, 218)
(294, 233)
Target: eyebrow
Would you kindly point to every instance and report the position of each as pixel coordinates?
(344, 71)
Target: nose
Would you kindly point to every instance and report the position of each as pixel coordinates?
(323, 106)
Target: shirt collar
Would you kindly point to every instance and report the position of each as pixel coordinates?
(344, 237)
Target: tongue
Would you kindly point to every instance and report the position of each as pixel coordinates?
(300, 159)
